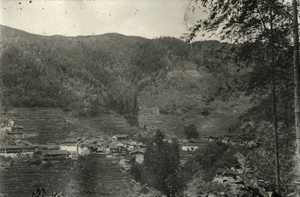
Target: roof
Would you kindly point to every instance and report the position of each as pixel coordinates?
(193, 144)
(94, 140)
(114, 136)
(15, 133)
(85, 144)
(17, 147)
(128, 157)
(70, 140)
(133, 143)
(17, 127)
(121, 136)
(118, 144)
(55, 152)
(138, 151)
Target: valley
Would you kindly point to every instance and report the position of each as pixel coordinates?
(103, 115)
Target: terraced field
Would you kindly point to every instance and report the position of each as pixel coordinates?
(54, 124)
(46, 123)
(94, 175)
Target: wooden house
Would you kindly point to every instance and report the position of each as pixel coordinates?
(86, 148)
(139, 155)
(191, 146)
(118, 147)
(127, 161)
(224, 174)
(122, 137)
(132, 146)
(15, 151)
(15, 134)
(55, 154)
(69, 144)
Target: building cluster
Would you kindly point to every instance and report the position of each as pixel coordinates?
(11, 130)
(120, 146)
(116, 146)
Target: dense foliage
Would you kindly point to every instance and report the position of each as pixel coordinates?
(161, 165)
(191, 131)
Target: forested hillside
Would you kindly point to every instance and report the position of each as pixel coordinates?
(154, 84)
(90, 75)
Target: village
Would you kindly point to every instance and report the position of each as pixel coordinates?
(121, 150)
(124, 147)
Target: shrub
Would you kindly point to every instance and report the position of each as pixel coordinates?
(191, 131)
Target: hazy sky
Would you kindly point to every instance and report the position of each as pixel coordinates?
(146, 18)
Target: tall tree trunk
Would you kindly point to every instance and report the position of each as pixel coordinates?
(296, 76)
(296, 88)
(277, 167)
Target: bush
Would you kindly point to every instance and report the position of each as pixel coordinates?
(215, 155)
(48, 165)
(191, 131)
(136, 171)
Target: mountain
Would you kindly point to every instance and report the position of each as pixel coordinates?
(154, 84)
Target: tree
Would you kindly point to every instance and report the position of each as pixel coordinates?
(161, 164)
(213, 156)
(296, 79)
(191, 131)
(251, 24)
(296, 74)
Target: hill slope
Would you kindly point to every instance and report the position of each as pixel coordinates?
(94, 75)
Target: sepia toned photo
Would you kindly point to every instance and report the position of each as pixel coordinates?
(149, 98)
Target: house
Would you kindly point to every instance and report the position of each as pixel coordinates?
(52, 145)
(183, 141)
(10, 151)
(191, 146)
(113, 138)
(69, 144)
(86, 148)
(94, 141)
(101, 147)
(224, 174)
(139, 155)
(16, 151)
(5, 129)
(118, 147)
(127, 161)
(141, 145)
(15, 134)
(29, 149)
(132, 146)
(17, 127)
(55, 154)
(122, 137)
(139, 151)
(10, 123)
(212, 138)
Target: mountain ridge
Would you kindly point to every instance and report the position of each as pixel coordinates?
(113, 72)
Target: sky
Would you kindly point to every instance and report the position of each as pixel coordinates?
(145, 18)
